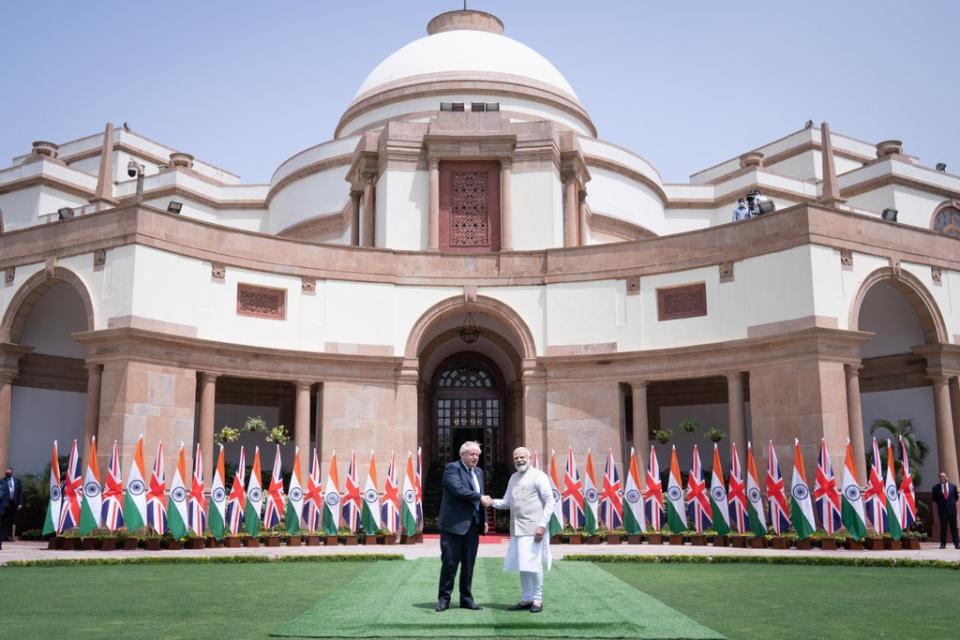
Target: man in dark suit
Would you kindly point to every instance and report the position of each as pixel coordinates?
(462, 518)
(945, 497)
(11, 499)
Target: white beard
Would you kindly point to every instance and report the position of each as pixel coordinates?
(522, 468)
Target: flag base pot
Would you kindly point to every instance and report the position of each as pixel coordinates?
(721, 541)
(594, 539)
(698, 540)
(676, 539)
(315, 541)
(913, 544)
(655, 538)
(613, 538)
(369, 540)
(779, 542)
(52, 543)
(331, 541)
(892, 545)
(634, 539)
(575, 539)
(152, 544)
(828, 544)
(272, 541)
(231, 542)
(174, 545)
(251, 542)
(68, 544)
(873, 544)
(804, 544)
(196, 543)
(757, 543)
(391, 539)
(738, 541)
(131, 544)
(89, 544)
(108, 544)
(350, 541)
(294, 541)
(854, 545)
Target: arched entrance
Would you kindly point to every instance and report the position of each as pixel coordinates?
(468, 404)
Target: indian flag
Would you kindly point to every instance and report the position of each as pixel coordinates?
(135, 500)
(590, 496)
(218, 499)
(801, 508)
(294, 513)
(52, 518)
(275, 500)
(408, 512)
(676, 508)
(756, 516)
(92, 506)
(892, 498)
(331, 499)
(370, 509)
(718, 496)
(851, 507)
(251, 514)
(633, 520)
(556, 518)
(177, 504)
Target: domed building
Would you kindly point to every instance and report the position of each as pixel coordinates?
(467, 259)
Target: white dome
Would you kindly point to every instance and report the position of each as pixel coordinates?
(464, 51)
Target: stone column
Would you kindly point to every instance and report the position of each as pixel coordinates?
(946, 440)
(208, 405)
(582, 216)
(367, 231)
(6, 404)
(535, 410)
(855, 419)
(506, 212)
(301, 423)
(571, 204)
(955, 405)
(641, 425)
(91, 416)
(433, 221)
(355, 197)
(735, 413)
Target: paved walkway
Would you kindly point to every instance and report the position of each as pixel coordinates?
(430, 548)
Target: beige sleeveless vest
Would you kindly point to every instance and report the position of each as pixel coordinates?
(526, 507)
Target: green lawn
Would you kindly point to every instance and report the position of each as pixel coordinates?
(745, 601)
(253, 600)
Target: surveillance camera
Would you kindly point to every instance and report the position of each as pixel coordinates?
(132, 169)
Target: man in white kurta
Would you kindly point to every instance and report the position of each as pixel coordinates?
(530, 501)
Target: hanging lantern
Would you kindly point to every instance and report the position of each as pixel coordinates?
(469, 332)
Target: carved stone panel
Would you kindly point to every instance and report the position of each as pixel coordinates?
(726, 272)
(261, 302)
(8, 275)
(470, 206)
(308, 285)
(99, 258)
(687, 301)
(846, 259)
(218, 271)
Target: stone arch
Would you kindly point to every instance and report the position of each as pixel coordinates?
(924, 305)
(455, 305)
(11, 327)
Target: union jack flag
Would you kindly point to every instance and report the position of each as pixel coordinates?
(572, 494)
(112, 509)
(776, 495)
(826, 493)
(908, 500)
(313, 499)
(196, 516)
(156, 496)
(611, 504)
(274, 494)
(237, 500)
(653, 493)
(72, 493)
(390, 512)
(352, 498)
(873, 497)
(698, 502)
(737, 493)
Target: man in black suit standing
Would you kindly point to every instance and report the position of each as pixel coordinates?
(11, 499)
(462, 519)
(945, 497)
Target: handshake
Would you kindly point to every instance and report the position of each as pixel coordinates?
(486, 501)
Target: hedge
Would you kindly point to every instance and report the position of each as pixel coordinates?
(252, 559)
(782, 560)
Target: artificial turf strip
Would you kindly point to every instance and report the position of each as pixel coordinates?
(396, 600)
(754, 602)
(213, 602)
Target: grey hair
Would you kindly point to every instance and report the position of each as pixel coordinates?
(469, 444)
(524, 449)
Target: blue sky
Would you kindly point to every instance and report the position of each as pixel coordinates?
(245, 85)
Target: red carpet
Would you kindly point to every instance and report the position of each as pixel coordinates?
(493, 538)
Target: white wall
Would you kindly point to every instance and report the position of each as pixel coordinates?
(889, 315)
(905, 403)
(317, 194)
(58, 313)
(537, 209)
(402, 210)
(37, 417)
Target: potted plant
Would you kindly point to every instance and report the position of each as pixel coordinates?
(575, 536)
(756, 542)
(131, 541)
(232, 540)
(698, 538)
(597, 536)
(890, 544)
(616, 536)
(853, 544)
(347, 536)
(89, 543)
(151, 540)
(873, 543)
(108, 540)
(272, 537)
(227, 435)
(663, 435)
(676, 539)
(656, 537)
(911, 539)
(830, 542)
(252, 541)
(738, 540)
(295, 539)
(328, 540)
(194, 542)
(385, 536)
(173, 544)
(720, 541)
(689, 425)
(369, 539)
(776, 541)
(715, 435)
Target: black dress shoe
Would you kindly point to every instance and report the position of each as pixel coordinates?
(943, 546)
(537, 608)
(470, 605)
(441, 606)
(520, 606)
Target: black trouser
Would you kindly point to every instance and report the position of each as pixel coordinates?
(457, 550)
(947, 520)
(9, 515)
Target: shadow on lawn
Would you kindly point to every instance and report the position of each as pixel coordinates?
(496, 606)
